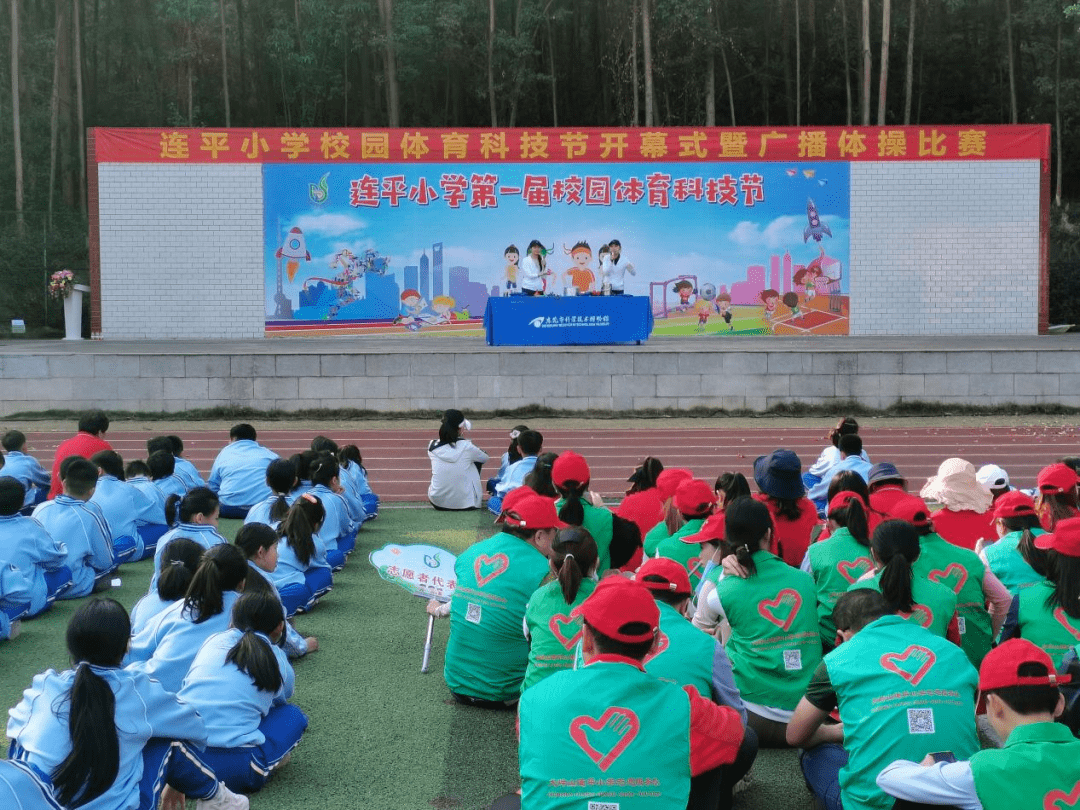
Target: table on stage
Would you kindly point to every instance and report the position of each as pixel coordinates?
(582, 320)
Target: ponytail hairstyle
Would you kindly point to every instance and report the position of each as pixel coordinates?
(1063, 571)
(302, 463)
(1055, 506)
(301, 523)
(852, 516)
(257, 613)
(573, 557)
(513, 452)
(324, 444)
(747, 524)
(845, 426)
(573, 511)
(348, 455)
(1033, 556)
(324, 469)
(848, 481)
(223, 568)
(97, 635)
(896, 546)
(179, 561)
(280, 477)
(253, 538)
(731, 485)
(644, 477)
(198, 501)
(539, 478)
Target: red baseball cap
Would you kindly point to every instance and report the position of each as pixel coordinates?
(1014, 504)
(911, 509)
(668, 481)
(711, 531)
(1065, 538)
(513, 497)
(532, 512)
(617, 602)
(842, 499)
(662, 574)
(694, 497)
(1056, 478)
(1000, 668)
(569, 466)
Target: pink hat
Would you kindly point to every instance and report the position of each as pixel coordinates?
(662, 574)
(617, 602)
(957, 489)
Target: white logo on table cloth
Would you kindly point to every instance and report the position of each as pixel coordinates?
(564, 321)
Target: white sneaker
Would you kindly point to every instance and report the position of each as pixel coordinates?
(224, 799)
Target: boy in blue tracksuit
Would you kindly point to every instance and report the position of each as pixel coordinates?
(184, 469)
(124, 507)
(25, 469)
(238, 475)
(91, 555)
(25, 544)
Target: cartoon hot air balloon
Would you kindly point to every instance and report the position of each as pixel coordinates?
(294, 250)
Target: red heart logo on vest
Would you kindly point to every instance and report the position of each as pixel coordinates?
(953, 577)
(661, 645)
(921, 614)
(1065, 620)
(694, 566)
(487, 568)
(853, 569)
(605, 739)
(902, 663)
(559, 624)
(1059, 799)
(782, 610)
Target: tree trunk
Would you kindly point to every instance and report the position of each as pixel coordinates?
(1013, 106)
(54, 111)
(847, 60)
(798, 64)
(241, 45)
(16, 124)
(551, 65)
(633, 63)
(1057, 111)
(910, 69)
(491, 63)
(518, 63)
(190, 81)
(710, 91)
(393, 106)
(730, 86)
(867, 59)
(785, 60)
(80, 113)
(224, 65)
(883, 68)
(646, 45)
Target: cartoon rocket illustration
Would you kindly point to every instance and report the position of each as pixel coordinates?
(294, 250)
(816, 228)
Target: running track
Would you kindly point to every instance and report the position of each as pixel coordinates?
(399, 471)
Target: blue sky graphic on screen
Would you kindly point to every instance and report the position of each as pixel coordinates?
(355, 242)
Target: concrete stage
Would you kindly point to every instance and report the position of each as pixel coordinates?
(423, 373)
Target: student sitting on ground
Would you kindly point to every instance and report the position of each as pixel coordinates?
(352, 464)
(238, 475)
(851, 459)
(196, 517)
(180, 559)
(886, 486)
(24, 468)
(338, 530)
(511, 455)
(347, 490)
(124, 507)
(455, 466)
(137, 474)
(303, 572)
(14, 601)
(667, 482)
(530, 443)
(967, 516)
(26, 545)
(1017, 525)
(91, 555)
(89, 440)
(185, 470)
(1056, 499)
(994, 478)
(281, 478)
(794, 517)
(1040, 763)
(821, 470)
(642, 503)
(162, 466)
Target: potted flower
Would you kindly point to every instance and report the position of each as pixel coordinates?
(62, 286)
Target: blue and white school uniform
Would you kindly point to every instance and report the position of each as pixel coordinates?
(301, 585)
(260, 512)
(14, 598)
(338, 532)
(90, 553)
(352, 502)
(368, 499)
(151, 521)
(188, 473)
(146, 609)
(171, 485)
(153, 494)
(248, 731)
(28, 471)
(202, 533)
(23, 789)
(166, 647)
(121, 505)
(239, 473)
(41, 558)
(38, 728)
(292, 642)
(514, 478)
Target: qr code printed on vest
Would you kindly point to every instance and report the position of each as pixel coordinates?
(472, 614)
(792, 660)
(961, 624)
(603, 806)
(920, 721)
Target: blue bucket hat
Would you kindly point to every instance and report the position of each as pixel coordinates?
(884, 471)
(779, 475)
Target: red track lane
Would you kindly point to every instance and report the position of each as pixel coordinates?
(398, 468)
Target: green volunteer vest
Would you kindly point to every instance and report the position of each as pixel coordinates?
(686, 554)
(607, 733)
(1039, 767)
(598, 523)
(1009, 566)
(1050, 628)
(934, 604)
(836, 564)
(554, 634)
(653, 537)
(775, 645)
(903, 692)
(961, 571)
(684, 655)
(487, 653)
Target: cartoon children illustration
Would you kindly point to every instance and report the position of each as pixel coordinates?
(807, 276)
(723, 304)
(770, 298)
(684, 288)
(579, 275)
(705, 305)
(791, 300)
(412, 305)
(443, 306)
(512, 255)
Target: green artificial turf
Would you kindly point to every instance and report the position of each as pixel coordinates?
(382, 736)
